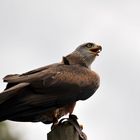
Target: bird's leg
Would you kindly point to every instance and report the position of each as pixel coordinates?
(71, 108)
(72, 116)
(55, 121)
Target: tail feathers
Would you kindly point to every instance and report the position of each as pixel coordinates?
(6, 94)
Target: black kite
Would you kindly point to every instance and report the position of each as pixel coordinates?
(48, 93)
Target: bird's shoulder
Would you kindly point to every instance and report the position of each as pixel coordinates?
(71, 74)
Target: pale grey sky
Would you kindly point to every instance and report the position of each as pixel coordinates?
(35, 33)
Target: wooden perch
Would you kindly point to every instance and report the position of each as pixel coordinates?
(67, 129)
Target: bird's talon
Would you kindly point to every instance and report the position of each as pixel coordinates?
(54, 125)
(72, 116)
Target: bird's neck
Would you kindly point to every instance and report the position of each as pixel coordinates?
(75, 58)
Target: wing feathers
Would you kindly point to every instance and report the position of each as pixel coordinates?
(42, 89)
(6, 94)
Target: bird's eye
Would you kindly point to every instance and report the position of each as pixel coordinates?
(89, 45)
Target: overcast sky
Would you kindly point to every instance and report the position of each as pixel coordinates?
(35, 33)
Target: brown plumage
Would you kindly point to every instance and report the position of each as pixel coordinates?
(48, 93)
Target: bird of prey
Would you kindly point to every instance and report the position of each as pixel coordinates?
(50, 92)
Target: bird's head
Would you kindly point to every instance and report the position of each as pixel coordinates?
(83, 55)
(88, 52)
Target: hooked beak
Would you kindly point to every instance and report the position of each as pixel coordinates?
(96, 50)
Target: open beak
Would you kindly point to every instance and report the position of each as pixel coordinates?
(96, 49)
